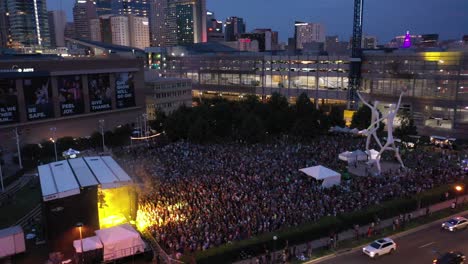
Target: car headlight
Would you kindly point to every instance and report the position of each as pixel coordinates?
(451, 228)
(372, 254)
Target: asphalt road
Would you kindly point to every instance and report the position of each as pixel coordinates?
(416, 248)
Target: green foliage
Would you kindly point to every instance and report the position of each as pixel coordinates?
(407, 127)
(362, 119)
(199, 131)
(252, 129)
(336, 116)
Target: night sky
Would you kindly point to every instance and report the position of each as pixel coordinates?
(384, 19)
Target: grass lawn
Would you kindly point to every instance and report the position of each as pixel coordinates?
(23, 202)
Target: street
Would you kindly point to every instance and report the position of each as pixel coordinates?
(416, 248)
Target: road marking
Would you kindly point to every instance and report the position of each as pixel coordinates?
(428, 244)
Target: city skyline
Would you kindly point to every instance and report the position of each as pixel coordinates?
(446, 17)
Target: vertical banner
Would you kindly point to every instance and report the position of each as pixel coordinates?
(70, 93)
(99, 92)
(125, 90)
(8, 101)
(38, 98)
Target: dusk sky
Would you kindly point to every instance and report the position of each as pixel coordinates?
(384, 19)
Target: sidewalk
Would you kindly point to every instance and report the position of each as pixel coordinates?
(350, 234)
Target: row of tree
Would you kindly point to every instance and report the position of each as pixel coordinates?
(251, 120)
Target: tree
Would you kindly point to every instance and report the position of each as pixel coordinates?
(252, 129)
(407, 126)
(362, 119)
(199, 131)
(305, 127)
(304, 106)
(336, 116)
(278, 102)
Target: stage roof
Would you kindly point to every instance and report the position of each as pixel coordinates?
(65, 178)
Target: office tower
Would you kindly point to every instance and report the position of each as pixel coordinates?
(4, 25)
(103, 7)
(95, 29)
(28, 22)
(69, 30)
(130, 7)
(157, 19)
(186, 22)
(120, 30)
(214, 28)
(83, 12)
(369, 42)
(235, 26)
(57, 22)
(308, 33)
(139, 31)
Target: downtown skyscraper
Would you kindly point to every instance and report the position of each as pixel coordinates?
(24, 23)
(130, 7)
(234, 27)
(83, 12)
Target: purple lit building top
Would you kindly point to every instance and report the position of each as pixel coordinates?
(407, 41)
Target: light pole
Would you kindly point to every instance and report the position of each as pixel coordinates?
(80, 226)
(53, 130)
(20, 162)
(274, 247)
(458, 190)
(101, 125)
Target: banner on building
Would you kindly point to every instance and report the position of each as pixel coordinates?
(38, 98)
(8, 101)
(125, 89)
(99, 92)
(70, 91)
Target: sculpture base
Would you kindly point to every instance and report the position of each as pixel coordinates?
(369, 168)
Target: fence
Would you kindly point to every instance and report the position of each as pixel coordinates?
(159, 252)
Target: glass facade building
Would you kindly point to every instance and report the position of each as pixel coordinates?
(131, 7)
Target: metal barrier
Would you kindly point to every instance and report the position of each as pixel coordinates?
(164, 257)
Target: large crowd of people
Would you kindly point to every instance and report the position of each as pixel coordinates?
(200, 196)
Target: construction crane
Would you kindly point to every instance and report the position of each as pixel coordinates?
(354, 80)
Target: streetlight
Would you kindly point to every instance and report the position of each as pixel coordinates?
(52, 139)
(101, 125)
(80, 226)
(274, 247)
(458, 190)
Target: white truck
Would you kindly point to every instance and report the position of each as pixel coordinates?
(12, 241)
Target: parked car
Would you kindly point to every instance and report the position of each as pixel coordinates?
(455, 224)
(380, 247)
(450, 258)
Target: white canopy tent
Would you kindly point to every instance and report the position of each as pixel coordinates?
(372, 154)
(89, 244)
(120, 241)
(329, 177)
(353, 156)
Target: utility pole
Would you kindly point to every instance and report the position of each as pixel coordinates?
(101, 126)
(53, 130)
(20, 162)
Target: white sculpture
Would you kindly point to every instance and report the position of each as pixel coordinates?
(371, 131)
(390, 144)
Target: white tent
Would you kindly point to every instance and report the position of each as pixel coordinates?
(329, 177)
(120, 241)
(353, 156)
(70, 153)
(89, 244)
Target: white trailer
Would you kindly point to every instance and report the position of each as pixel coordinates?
(12, 241)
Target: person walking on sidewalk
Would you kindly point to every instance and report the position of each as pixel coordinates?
(356, 231)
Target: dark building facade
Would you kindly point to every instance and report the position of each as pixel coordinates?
(83, 11)
(70, 94)
(103, 7)
(131, 7)
(234, 27)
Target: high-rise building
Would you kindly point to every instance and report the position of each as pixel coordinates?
(185, 22)
(214, 28)
(57, 22)
(157, 19)
(139, 31)
(95, 29)
(4, 25)
(130, 7)
(69, 30)
(308, 33)
(83, 12)
(120, 30)
(27, 22)
(234, 27)
(103, 7)
(369, 42)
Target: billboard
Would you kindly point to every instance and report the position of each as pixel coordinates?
(8, 101)
(38, 98)
(70, 93)
(125, 89)
(99, 92)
